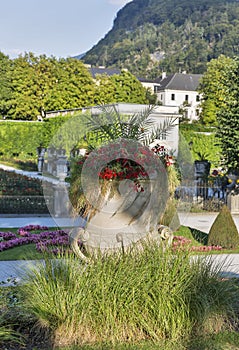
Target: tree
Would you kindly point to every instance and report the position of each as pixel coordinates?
(74, 87)
(39, 84)
(213, 87)
(227, 118)
(5, 90)
(105, 90)
(23, 103)
(128, 88)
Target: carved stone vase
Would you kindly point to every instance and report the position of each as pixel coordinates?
(125, 215)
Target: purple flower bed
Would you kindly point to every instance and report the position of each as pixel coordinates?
(6, 236)
(51, 241)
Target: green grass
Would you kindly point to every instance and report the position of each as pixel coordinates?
(149, 295)
(24, 252)
(27, 165)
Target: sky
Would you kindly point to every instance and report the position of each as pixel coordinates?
(59, 28)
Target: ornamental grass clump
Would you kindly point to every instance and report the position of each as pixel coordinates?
(224, 231)
(142, 295)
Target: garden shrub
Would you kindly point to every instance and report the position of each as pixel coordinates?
(20, 139)
(224, 231)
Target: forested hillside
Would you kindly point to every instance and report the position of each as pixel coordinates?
(149, 36)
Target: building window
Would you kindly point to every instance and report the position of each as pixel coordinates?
(161, 97)
(173, 97)
(197, 98)
(186, 98)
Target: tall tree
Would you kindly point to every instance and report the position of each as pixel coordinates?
(214, 87)
(74, 86)
(5, 89)
(23, 103)
(39, 84)
(228, 117)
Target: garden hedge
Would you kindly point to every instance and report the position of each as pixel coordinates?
(20, 139)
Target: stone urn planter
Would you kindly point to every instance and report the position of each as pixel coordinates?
(126, 217)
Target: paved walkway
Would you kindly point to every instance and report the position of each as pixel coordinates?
(20, 221)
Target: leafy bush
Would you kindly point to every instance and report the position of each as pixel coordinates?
(20, 139)
(205, 143)
(224, 231)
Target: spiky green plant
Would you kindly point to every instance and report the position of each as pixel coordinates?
(148, 294)
(110, 125)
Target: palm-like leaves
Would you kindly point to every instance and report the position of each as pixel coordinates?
(109, 125)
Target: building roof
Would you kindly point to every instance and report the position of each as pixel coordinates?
(179, 81)
(102, 70)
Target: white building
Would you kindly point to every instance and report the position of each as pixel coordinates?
(178, 90)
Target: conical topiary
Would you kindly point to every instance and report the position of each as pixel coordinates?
(224, 231)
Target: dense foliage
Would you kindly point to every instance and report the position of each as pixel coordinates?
(32, 85)
(149, 36)
(213, 86)
(20, 139)
(220, 89)
(227, 117)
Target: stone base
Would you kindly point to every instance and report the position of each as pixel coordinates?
(233, 203)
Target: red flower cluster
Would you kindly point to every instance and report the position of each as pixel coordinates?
(122, 169)
(162, 152)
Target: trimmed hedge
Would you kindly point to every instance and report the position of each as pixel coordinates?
(224, 231)
(20, 139)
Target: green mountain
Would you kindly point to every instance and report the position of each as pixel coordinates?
(151, 36)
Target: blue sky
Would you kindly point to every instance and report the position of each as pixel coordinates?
(57, 28)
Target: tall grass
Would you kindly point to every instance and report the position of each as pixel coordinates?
(149, 294)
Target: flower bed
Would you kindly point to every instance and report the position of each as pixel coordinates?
(44, 239)
(20, 194)
(180, 242)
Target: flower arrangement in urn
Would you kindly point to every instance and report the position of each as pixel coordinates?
(121, 184)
